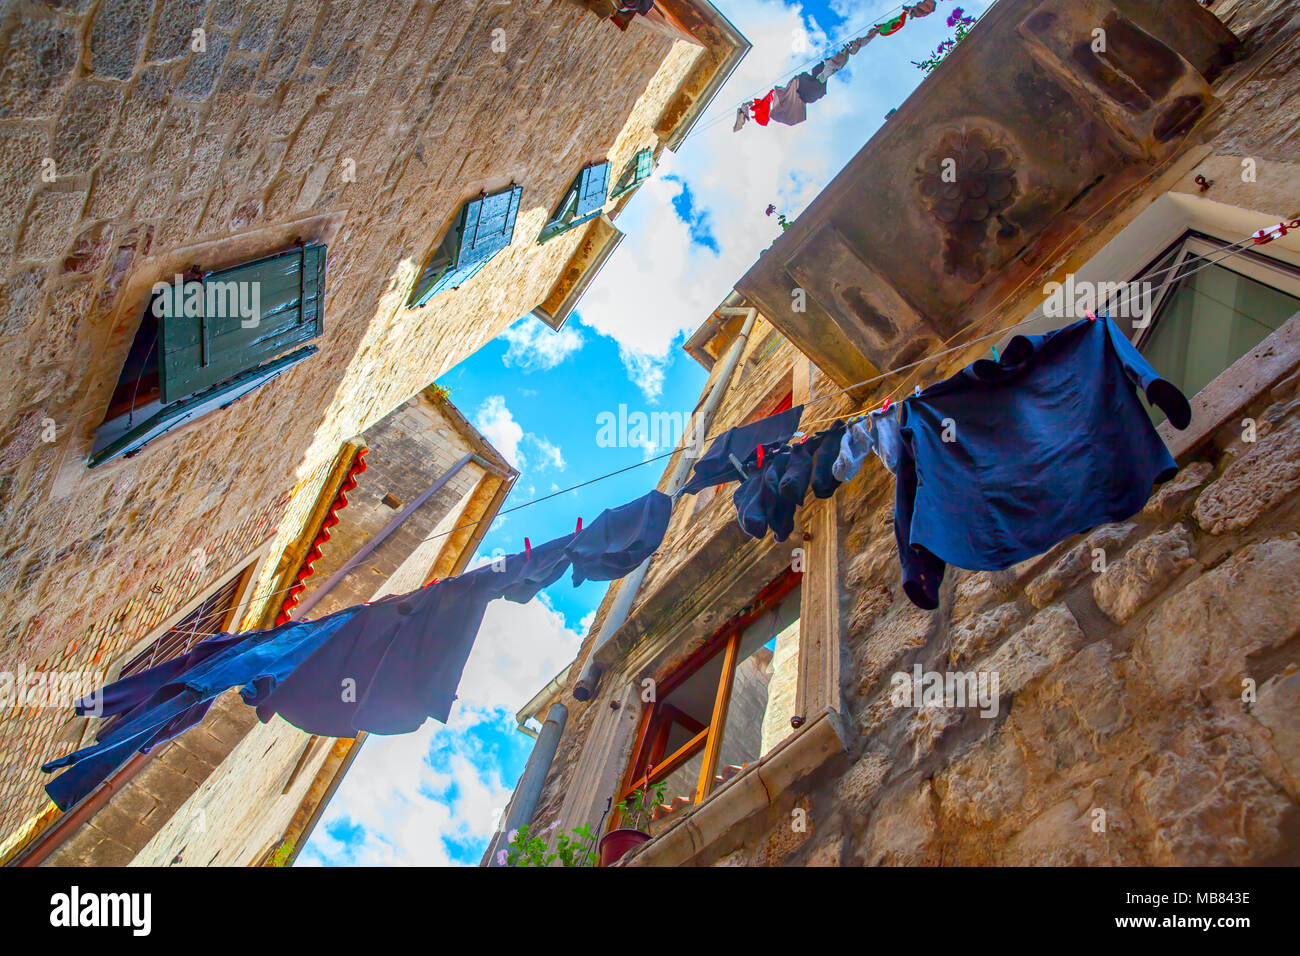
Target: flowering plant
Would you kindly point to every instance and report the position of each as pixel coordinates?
(963, 25)
(575, 848)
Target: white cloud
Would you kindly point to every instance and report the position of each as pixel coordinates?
(498, 425)
(535, 346)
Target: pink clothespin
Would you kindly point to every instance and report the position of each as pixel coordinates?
(579, 528)
(1092, 316)
(528, 549)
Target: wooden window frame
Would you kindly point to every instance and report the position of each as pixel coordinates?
(709, 739)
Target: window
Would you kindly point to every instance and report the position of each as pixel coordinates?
(1207, 314)
(484, 227)
(635, 172)
(723, 709)
(205, 340)
(583, 200)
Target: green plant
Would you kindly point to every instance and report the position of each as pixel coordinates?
(442, 391)
(962, 26)
(640, 804)
(575, 848)
(282, 853)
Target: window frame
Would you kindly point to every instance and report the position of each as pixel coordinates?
(726, 642)
(628, 179)
(578, 199)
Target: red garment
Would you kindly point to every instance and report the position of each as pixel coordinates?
(763, 108)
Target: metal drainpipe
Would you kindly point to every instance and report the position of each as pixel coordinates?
(368, 548)
(630, 585)
(529, 789)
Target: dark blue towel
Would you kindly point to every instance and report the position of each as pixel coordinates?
(1048, 442)
(620, 538)
(715, 467)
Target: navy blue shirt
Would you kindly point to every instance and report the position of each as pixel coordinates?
(620, 538)
(715, 467)
(1048, 442)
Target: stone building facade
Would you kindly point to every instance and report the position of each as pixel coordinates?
(1149, 670)
(140, 140)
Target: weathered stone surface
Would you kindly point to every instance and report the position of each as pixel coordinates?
(903, 829)
(1172, 498)
(1206, 800)
(1278, 709)
(856, 789)
(1258, 481)
(1050, 636)
(38, 59)
(115, 36)
(1072, 566)
(52, 216)
(977, 633)
(791, 832)
(1199, 639)
(903, 629)
(984, 786)
(1143, 572)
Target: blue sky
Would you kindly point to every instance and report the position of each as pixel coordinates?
(432, 797)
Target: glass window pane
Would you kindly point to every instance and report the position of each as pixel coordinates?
(679, 793)
(1212, 318)
(763, 691)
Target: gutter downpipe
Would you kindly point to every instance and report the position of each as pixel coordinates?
(529, 789)
(368, 548)
(630, 585)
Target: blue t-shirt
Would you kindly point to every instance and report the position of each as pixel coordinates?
(1004, 459)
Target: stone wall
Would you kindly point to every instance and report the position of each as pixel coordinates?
(131, 146)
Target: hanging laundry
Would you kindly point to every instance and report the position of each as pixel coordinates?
(762, 108)
(890, 27)
(833, 64)
(922, 9)
(809, 87)
(760, 506)
(533, 569)
(788, 106)
(742, 117)
(620, 538)
(179, 699)
(715, 466)
(1004, 459)
(877, 431)
(824, 481)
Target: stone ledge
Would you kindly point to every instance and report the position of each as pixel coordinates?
(746, 794)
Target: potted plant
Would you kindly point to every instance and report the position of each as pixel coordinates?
(636, 813)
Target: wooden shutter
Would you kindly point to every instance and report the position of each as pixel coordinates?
(199, 352)
(489, 226)
(593, 186)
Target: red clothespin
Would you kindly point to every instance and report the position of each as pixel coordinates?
(885, 407)
(760, 456)
(528, 549)
(579, 529)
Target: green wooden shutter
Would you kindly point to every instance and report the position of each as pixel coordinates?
(593, 186)
(200, 351)
(637, 171)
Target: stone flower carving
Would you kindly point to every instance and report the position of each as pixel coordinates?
(966, 183)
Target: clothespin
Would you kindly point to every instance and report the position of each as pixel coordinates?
(995, 354)
(760, 456)
(528, 549)
(918, 391)
(738, 466)
(579, 529)
(885, 407)
(1092, 316)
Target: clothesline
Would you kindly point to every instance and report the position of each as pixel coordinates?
(1204, 263)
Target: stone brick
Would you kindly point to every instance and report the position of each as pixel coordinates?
(984, 786)
(1200, 638)
(173, 32)
(49, 222)
(79, 136)
(38, 59)
(19, 296)
(903, 830)
(1206, 800)
(1255, 483)
(115, 36)
(1148, 567)
(1278, 709)
(902, 630)
(21, 151)
(1050, 636)
(1172, 498)
(201, 72)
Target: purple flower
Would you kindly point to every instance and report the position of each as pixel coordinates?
(501, 857)
(554, 825)
(954, 17)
